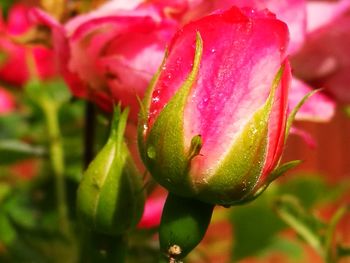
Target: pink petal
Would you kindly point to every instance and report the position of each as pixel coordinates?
(18, 21)
(152, 212)
(121, 57)
(277, 124)
(62, 51)
(321, 13)
(14, 69)
(292, 12)
(308, 139)
(318, 108)
(325, 61)
(110, 55)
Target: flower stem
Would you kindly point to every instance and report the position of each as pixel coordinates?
(103, 248)
(290, 211)
(331, 254)
(57, 161)
(89, 133)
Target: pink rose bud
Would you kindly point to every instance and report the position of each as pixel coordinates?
(213, 123)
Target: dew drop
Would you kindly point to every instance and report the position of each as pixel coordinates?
(151, 152)
(155, 99)
(145, 127)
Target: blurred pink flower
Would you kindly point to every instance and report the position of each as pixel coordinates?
(110, 54)
(324, 59)
(7, 102)
(319, 107)
(14, 67)
(153, 209)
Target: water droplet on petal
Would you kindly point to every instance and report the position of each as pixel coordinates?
(151, 152)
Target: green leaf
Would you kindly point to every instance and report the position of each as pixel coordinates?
(7, 231)
(5, 189)
(19, 211)
(55, 91)
(291, 248)
(12, 151)
(303, 222)
(255, 226)
(312, 189)
(13, 126)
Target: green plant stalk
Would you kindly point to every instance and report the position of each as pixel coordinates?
(311, 238)
(102, 248)
(331, 255)
(50, 110)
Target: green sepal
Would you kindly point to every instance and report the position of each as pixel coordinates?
(294, 112)
(195, 148)
(110, 197)
(144, 109)
(279, 171)
(183, 225)
(236, 176)
(164, 152)
(282, 169)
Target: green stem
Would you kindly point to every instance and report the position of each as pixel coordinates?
(290, 212)
(330, 256)
(303, 231)
(57, 161)
(89, 133)
(103, 249)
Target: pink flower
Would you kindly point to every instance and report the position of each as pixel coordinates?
(110, 55)
(7, 102)
(14, 67)
(216, 116)
(153, 209)
(324, 60)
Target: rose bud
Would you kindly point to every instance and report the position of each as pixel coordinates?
(110, 197)
(214, 120)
